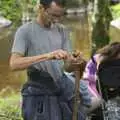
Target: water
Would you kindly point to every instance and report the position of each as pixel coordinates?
(80, 33)
(9, 81)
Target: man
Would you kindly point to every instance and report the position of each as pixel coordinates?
(40, 46)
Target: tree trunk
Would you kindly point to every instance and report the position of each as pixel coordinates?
(101, 21)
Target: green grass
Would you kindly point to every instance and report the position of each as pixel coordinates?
(10, 107)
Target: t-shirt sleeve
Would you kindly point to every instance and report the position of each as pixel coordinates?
(20, 42)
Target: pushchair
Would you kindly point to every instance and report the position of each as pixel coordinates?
(108, 85)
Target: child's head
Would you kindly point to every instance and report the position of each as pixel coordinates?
(111, 51)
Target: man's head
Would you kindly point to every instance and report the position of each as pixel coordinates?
(51, 11)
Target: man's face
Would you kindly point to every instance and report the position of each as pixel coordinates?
(53, 14)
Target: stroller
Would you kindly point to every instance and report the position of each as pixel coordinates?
(109, 87)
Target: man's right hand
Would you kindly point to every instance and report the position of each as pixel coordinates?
(58, 54)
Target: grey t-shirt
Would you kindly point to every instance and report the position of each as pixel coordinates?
(31, 39)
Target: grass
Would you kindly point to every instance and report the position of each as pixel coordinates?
(10, 107)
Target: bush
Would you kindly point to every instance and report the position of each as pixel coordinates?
(11, 10)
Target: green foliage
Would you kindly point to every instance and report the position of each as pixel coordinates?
(102, 19)
(100, 36)
(116, 11)
(11, 10)
(34, 2)
(10, 108)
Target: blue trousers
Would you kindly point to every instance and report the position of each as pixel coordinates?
(45, 107)
(42, 103)
(41, 108)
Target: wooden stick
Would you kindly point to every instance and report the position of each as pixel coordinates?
(78, 75)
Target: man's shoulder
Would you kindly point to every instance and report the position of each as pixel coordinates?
(25, 27)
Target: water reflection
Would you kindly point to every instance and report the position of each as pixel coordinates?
(9, 81)
(80, 32)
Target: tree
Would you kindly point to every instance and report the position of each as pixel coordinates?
(101, 21)
(11, 9)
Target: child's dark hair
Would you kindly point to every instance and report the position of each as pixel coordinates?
(111, 51)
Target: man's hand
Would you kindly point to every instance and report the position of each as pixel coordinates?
(75, 57)
(75, 62)
(58, 54)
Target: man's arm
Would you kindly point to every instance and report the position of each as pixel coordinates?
(19, 62)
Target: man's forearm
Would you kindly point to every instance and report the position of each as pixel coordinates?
(18, 62)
